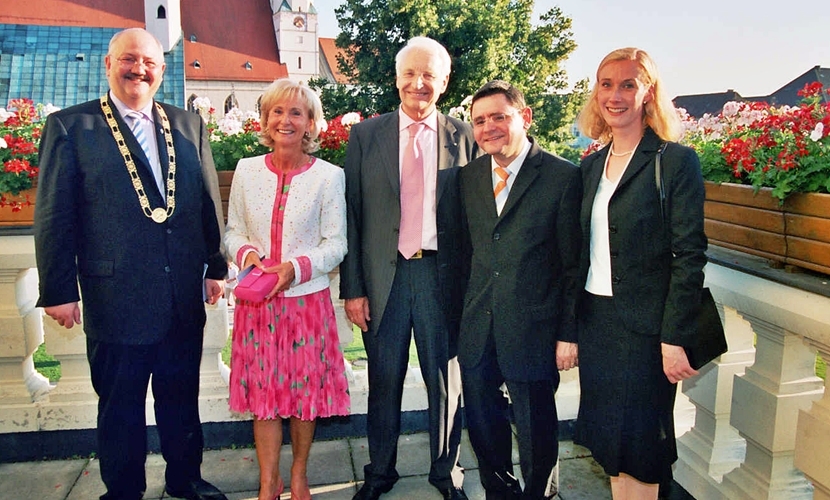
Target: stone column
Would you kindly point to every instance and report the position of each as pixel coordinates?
(72, 404)
(765, 406)
(713, 447)
(213, 373)
(21, 332)
(812, 440)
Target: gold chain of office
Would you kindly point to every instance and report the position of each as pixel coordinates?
(158, 215)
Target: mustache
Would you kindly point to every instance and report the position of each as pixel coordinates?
(132, 75)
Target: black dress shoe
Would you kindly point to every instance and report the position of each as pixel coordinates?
(196, 490)
(454, 494)
(371, 491)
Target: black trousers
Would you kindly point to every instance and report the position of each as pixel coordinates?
(120, 376)
(413, 306)
(488, 424)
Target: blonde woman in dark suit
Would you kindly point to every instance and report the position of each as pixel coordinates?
(643, 273)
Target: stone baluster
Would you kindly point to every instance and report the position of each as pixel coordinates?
(213, 373)
(713, 447)
(812, 440)
(765, 405)
(21, 332)
(72, 404)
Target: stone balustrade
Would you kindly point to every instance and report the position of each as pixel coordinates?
(761, 417)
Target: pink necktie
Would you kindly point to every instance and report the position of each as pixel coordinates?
(412, 194)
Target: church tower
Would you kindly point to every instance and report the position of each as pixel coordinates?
(295, 24)
(163, 18)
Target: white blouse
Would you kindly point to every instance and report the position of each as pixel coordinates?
(599, 272)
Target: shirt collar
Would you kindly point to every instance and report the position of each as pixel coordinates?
(517, 162)
(123, 109)
(430, 121)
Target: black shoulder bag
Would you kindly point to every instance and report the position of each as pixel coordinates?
(710, 341)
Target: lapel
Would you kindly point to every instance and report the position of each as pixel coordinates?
(645, 153)
(527, 174)
(447, 152)
(164, 156)
(387, 137)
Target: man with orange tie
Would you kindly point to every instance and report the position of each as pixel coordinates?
(521, 209)
(402, 273)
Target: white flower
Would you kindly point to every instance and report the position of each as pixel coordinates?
(350, 119)
(3, 144)
(202, 103)
(48, 109)
(731, 108)
(817, 132)
(230, 125)
(5, 115)
(251, 115)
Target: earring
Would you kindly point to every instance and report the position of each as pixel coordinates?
(306, 136)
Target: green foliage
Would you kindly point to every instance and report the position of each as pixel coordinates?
(489, 39)
(229, 149)
(46, 365)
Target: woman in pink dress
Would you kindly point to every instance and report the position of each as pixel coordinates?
(286, 362)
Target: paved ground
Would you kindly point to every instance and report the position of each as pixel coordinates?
(336, 470)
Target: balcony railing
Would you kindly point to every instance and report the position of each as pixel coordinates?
(762, 417)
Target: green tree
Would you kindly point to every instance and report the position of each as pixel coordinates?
(486, 39)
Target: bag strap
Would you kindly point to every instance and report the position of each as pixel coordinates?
(658, 181)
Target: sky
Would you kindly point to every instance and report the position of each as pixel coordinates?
(751, 46)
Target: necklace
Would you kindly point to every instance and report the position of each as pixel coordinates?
(159, 214)
(620, 154)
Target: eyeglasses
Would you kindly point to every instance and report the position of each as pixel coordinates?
(496, 118)
(130, 61)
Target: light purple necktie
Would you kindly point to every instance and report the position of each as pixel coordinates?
(412, 194)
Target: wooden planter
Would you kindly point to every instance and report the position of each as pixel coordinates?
(25, 217)
(795, 233)
(225, 179)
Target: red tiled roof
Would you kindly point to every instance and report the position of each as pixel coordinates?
(89, 13)
(331, 52)
(229, 34)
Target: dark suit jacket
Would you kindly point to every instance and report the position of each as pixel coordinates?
(657, 269)
(374, 212)
(135, 276)
(524, 265)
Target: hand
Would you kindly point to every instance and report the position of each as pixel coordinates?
(214, 289)
(676, 363)
(357, 310)
(285, 271)
(567, 355)
(66, 315)
(252, 259)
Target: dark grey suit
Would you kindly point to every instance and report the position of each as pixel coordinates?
(519, 302)
(372, 268)
(141, 282)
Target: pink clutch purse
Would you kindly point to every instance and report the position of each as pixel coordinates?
(256, 284)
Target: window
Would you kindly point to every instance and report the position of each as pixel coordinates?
(231, 103)
(190, 101)
(162, 12)
(259, 105)
(299, 63)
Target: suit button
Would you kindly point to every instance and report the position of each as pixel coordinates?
(496, 274)
(612, 229)
(496, 237)
(488, 312)
(169, 231)
(393, 263)
(166, 269)
(614, 254)
(615, 280)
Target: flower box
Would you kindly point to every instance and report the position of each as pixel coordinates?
(20, 212)
(793, 233)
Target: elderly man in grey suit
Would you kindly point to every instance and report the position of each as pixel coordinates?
(521, 207)
(402, 272)
(128, 209)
